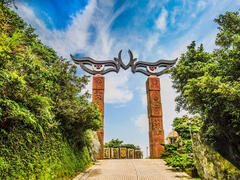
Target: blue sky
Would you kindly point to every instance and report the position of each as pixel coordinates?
(152, 29)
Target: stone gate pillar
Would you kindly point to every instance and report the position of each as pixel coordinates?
(98, 98)
(156, 134)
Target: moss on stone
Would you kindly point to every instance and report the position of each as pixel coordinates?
(211, 165)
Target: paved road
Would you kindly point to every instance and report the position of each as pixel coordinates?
(131, 169)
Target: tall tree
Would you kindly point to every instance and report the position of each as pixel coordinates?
(209, 84)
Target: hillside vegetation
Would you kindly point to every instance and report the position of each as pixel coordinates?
(44, 122)
(179, 154)
(209, 85)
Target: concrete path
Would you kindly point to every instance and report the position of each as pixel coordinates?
(131, 169)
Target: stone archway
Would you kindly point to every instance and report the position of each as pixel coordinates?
(156, 132)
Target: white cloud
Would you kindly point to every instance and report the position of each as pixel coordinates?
(161, 22)
(168, 95)
(75, 39)
(152, 40)
(201, 5)
(161, 53)
(203, 31)
(142, 94)
(177, 53)
(173, 14)
(72, 40)
(116, 88)
(144, 100)
(142, 122)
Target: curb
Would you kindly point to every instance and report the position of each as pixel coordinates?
(84, 175)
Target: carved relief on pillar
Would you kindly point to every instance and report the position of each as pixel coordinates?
(98, 98)
(150, 137)
(153, 83)
(98, 82)
(158, 137)
(156, 133)
(151, 150)
(100, 134)
(154, 110)
(156, 123)
(154, 97)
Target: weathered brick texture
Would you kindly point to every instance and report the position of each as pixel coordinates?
(98, 98)
(156, 133)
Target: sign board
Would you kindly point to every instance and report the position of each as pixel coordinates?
(107, 153)
(130, 153)
(115, 153)
(123, 153)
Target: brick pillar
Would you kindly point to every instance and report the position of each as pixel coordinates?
(98, 98)
(156, 134)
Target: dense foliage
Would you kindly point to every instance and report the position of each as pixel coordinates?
(209, 84)
(116, 143)
(43, 119)
(182, 125)
(179, 155)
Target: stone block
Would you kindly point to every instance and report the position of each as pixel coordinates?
(130, 153)
(154, 109)
(115, 153)
(107, 153)
(156, 133)
(123, 153)
(154, 97)
(153, 83)
(98, 98)
(138, 154)
(155, 123)
(98, 82)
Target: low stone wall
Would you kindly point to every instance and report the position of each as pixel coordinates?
(211, 165)
(122, 153)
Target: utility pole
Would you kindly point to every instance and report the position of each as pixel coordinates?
(190, 128)
(147, 151)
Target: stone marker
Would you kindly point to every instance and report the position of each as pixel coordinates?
(156, 134)
(138, 154)
(107, 153)
(130, 153)
(115, 153)
(123, 153)
(98, 98)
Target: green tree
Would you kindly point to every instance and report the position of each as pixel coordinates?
(131, 146)
(209, 84)
(180, 156)
(43, 119)
(182, 125)
(116, 143)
